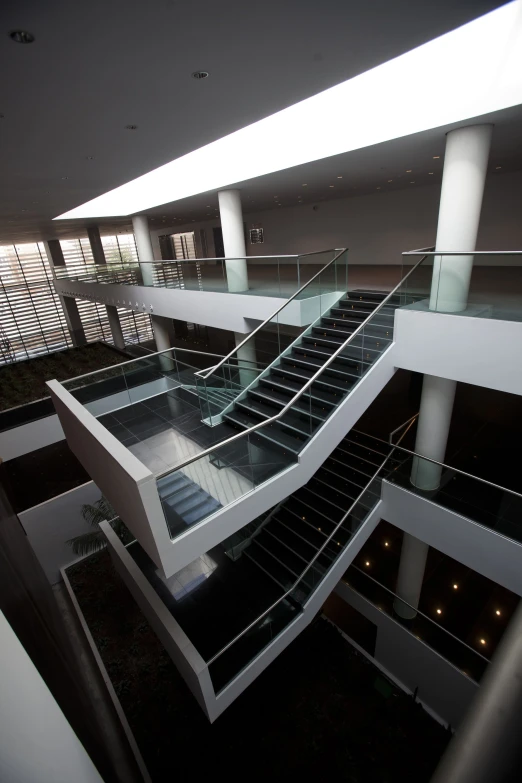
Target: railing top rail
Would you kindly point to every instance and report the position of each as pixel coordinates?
(310, 564)
(285, 303)
(457, 470)
(215, 258)
(463, 253)
(418, 611)
(392, 433)
(297, 395)
(139, 359)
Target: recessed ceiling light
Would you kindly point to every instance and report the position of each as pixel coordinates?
(430, 172)
(483, 641)
(498, 167)
(339, 177)
(21, 36)
(378, 188)
(208, 206)
(439, 611)
(436, 157)
(131, 127)
(386, 543)
(390, 180)
(498, 612)
(408, 171)
(412, 182)
(367, 563)
(305, 184)
(332, 186)
(455, 587)
(200, 75)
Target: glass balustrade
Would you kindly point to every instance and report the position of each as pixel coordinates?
(453, 649)
(477, 285)
(275, 276)
(488, 504)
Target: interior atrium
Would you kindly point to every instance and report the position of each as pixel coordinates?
(261, 391)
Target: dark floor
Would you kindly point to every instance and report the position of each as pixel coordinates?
(319, 712)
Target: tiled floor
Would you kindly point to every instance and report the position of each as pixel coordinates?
(163, 431)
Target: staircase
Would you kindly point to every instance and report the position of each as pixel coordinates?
(273, 390)
(299, 527)
(184, 502)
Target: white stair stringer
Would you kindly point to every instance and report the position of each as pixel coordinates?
(184, 655)
(208, 533)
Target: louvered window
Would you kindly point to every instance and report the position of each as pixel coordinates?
(32, 321)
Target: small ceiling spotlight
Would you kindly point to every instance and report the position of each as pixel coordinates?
(339, 177)
(408, 171)
(497, 168)
(21, 36)
(498, 612)
(436, 157)
(200, 75)
(131, 127)
(455, 587)
(439, 611)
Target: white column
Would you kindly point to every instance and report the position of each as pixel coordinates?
(37, 742)
(115, 325)
(465, 165)
(246, 356)
(411, 575)
(433, 427)
(233, 239)
(140, 226)
(463, 179)
(464, 175)
(55, 257)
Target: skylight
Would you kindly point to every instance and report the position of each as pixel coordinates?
(471, 71)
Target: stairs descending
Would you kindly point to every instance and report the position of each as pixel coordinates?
(273, 391)
(300, 526)
(184, 502)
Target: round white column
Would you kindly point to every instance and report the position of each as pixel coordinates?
(433, 427)
(246, 356)
(411, 576)
(140, 227)
(463, 178)
(231, 216)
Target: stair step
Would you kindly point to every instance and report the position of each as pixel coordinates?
(367, 451)
(318, 411)
(281, 552)
(287, 385)
(298, 373)
(291, 421)
(171, 484)
(272, 432)
(304, 545)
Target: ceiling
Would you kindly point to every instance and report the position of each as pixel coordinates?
(96, 67)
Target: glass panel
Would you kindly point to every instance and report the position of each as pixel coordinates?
(490, 506)
(453, 649)
(192, 493)
(479, 285)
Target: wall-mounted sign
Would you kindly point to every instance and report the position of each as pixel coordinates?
(256, 236)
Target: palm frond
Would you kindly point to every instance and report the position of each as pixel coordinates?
(87, 543)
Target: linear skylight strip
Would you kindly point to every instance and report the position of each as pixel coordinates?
(471, 71)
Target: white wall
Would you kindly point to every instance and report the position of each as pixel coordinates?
(51, 524)
(29, 437)
(37, 744)
(442, 687)
(378, 227)
(479, 351)
(480, 548)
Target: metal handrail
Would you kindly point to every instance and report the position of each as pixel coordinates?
(271, 317)
(298, 394)
(141, 359)
(216, 258)
(310, 564)
(418, 611)
(463, 253)
(392, 433)
(456, 470)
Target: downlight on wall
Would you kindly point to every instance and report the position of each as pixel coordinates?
(449, 88)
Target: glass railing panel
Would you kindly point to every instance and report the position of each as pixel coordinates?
(262, 633)
(106, 385)
(455, 650)
(490, 506)
(218, 478)
(477, 285)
